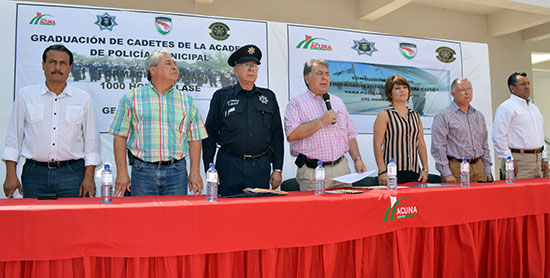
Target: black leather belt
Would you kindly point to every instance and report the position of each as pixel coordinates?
(245, 156)
(312, 163)
(159, 163)
(471, 160)
(539, 150)
(54, 164)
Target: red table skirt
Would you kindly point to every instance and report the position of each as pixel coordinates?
(510, 247)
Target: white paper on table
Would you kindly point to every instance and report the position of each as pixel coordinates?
(353, 177)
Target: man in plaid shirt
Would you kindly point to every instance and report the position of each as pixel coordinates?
(316, 133)
(159, 125)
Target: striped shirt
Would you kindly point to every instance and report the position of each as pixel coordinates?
(157, 126)
(458, 134)
(329, 142)
(401, 139)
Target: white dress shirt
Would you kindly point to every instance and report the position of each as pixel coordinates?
(49, 127)
(518, 125)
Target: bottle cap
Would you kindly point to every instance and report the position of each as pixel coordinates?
(509, 157)
(319, 163)
(464, 159)
(106, 166)
(392, 160)
(212, 165)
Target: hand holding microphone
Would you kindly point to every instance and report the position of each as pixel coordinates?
(326, 98)
(330, 116)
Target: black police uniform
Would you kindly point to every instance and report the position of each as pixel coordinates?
(247, 126)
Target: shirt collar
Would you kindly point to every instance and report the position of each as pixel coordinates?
(66, 91)
(391, 108)
(522, 100)
(238, 88)
(156, 91)
(455, 106)
(311, 94)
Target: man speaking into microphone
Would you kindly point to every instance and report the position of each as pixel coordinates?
(318, 128)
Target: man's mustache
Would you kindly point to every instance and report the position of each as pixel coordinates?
(57, 72)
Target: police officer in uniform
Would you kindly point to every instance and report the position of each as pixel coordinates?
(93, 69)
(244, 120)
(211, 78)
(107, 71)
(75, 71)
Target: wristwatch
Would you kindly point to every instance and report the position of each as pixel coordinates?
(357, 159)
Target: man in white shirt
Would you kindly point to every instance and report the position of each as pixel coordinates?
(53, 125)
(518, 131)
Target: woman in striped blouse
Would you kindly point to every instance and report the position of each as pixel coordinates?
(398, 134)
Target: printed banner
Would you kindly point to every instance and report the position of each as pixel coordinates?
(360, 63)
(109, 47)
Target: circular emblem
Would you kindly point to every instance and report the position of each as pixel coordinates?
(219, 31)
(445, 54)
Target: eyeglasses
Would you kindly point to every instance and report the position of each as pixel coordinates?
(248, 66)
(469, 90)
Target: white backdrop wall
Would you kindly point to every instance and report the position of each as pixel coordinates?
(475, 67)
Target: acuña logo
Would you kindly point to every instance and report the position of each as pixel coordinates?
(315, 44)
(42, 19)
(401, 208)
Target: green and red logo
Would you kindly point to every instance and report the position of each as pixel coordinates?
(163, 24)
(401, 208)
(315, 44)
(408, 50)
(42, 19)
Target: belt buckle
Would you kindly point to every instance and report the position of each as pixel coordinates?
(54, 163)
(247, 156)
(165, 163)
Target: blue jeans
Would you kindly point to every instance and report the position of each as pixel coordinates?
(150, 179)
(64, 181)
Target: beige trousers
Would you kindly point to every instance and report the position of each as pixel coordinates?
(528, 164)
(306, 176)
(476, 170)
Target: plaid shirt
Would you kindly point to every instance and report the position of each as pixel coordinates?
(459, 134)
(329, 142)
(158, 126)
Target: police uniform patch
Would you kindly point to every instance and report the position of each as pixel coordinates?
(233, 102)
(264, 99)
(251, 50)
(219, 31)
(445, 54)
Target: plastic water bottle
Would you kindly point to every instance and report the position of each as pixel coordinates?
(319, 179)
(106, 184)
(464, 173)
(212, 183)
(392, 175)
(509, 170)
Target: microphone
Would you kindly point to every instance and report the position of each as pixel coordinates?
(326, 98)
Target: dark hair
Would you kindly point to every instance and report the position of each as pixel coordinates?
(513, 79)
(58, 47)
(395, 80)
(308, 66)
